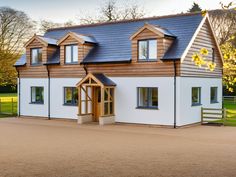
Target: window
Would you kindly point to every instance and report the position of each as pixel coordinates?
(147, 97)
(36, 56)
(147, 49)
(214, 95)
(213, 55)
(196, 96)
(71, 54)
(37, 95)
(70, 96)
(108, 101)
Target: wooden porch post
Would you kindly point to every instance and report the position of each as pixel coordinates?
(79, 100)
(102, 101)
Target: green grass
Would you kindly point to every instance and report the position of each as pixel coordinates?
(7, 108)
(8, 95)
(231, 114)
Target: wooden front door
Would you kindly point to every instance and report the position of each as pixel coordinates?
(97, 104)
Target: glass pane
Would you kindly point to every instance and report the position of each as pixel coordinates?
(105, 108)
(143, 97)
(153, 100)
(213, 94)
(68, 96)
(142, 50)
(111, 93)
(75, 53)
(34, 57)
(195, 95)
(111, 107)
(39, 55)
(106, 95)
(152, 49)
(33, 94)
(39, 94)
(68, 54)
(75, 96)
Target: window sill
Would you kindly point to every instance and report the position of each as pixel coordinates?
(214, 102)
(196, 104)
(147, 60)
(151, 108)
(39, 103)
(70, 105)
(39, 64)
(75, 63)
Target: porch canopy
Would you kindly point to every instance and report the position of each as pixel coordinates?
(96, 95)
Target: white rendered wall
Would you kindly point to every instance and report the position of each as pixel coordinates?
(26, 107)
(126, 100)
(58, 109)
(188, 114)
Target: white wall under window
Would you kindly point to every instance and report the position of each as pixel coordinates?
(27, 108)
(188, 114)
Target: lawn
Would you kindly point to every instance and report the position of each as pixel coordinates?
(231, 114)
(8, 104)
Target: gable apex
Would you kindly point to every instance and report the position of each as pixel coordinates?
(79, 37)
(155, 29)
(35, 37)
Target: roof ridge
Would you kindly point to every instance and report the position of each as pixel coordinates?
(125, 21)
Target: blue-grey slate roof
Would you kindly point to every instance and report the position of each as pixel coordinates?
(104, 80)
(49, 40)
(113, 39)
(165, 31)
(21, 61)
(89, 39)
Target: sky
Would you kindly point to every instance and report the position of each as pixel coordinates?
(61, 11)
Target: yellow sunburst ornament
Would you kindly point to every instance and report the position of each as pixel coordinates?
(204, 12)
(195, 57)
(204, 51)
(211, 66)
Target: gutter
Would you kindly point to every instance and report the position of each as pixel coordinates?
(49, 95)
(175, 74)
(19, 100)
(85, 69)
(107, 62)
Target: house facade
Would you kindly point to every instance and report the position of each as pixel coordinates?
(135, 71)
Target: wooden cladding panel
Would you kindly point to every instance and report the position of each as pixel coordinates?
(83, 49)
(34, 71)
(203, 40)
(69, 40)
(162, 44)
(67, 71)
(138, 69)
(51, 50)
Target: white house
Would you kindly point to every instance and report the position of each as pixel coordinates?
(133, 71)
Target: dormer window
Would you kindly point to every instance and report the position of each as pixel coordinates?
(71, 54)
(36, 56)
(147, 49)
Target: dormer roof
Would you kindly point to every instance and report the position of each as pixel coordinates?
(44, 40)
(162, 32)
(79, 37)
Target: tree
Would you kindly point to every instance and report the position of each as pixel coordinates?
(226, 36)
(44, 25)
(223, 23)
(15, 28)
(110, 11)
(195, 8)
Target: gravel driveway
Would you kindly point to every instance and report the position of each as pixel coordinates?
(56, 148)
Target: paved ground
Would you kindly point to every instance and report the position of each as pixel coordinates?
(33, 148)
